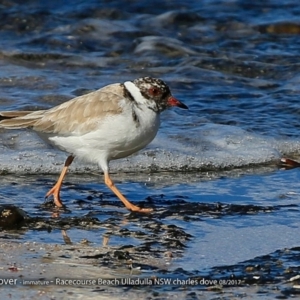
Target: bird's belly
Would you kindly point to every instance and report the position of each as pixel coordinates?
(130, 144)
(113, 141)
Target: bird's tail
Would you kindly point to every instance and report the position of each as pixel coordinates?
(18, 119)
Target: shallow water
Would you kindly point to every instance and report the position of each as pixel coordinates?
(212, 171)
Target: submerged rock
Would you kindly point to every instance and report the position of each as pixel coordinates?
(11, 217)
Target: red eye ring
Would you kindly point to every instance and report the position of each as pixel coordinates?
(154, 91)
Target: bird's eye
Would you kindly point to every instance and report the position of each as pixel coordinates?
(154, 91)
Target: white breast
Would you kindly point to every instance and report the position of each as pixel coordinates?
(116, 137)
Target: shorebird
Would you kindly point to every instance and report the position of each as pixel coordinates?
(110, 123)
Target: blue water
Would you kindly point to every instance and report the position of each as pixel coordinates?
(234, 63)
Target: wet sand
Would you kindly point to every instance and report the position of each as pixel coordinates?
(52, 271)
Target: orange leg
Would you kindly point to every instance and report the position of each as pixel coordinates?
(127, 204)
(56, 188)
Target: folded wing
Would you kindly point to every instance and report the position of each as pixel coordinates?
(77, 116)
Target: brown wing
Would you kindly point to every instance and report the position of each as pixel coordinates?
(77, 116)
(18, 119)
(13, 114)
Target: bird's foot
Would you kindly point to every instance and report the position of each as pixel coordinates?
(140, 210)
(56, 198)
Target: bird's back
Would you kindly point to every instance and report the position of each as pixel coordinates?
(77, 116)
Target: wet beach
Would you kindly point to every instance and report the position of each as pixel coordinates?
(226, 212)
